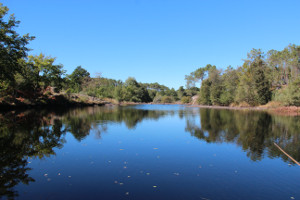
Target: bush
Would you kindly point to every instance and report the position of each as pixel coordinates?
(186, 99)
(167, 99)
(290, 95)
(157, 99)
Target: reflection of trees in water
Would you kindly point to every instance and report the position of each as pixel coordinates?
(36, 133)
(82, 120)
(255, 132)
(23, 135)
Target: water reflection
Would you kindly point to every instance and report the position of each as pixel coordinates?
(255, 132)
(23, 135)
(33, 133)
(36, 134)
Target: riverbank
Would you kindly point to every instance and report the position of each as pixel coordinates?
(50, 100)
(79, 100)
(270, 108)
(278, 110)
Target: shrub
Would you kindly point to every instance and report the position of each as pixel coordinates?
(290, 95)
(186, 99)
(157, 99)
(167, 99)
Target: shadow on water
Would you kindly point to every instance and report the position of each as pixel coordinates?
(36, 134)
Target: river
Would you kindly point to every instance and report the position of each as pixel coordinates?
(148, 152)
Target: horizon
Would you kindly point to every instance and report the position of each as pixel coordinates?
(155, 41)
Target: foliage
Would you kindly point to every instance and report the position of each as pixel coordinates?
(186, 99)
(204, 95)
(77, 78)
(167, 99)
(290, 95)
(197, 75)
(261, 76)
(12, 49)
(253, 82)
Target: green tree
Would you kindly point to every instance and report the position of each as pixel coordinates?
(216, 87)
(204, 95)
(230, 82)
(12, 49)
(43, 73)
(198, 75)
(135, 92)
(77, 78)
(254, 86)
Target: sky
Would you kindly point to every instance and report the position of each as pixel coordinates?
(155, 40)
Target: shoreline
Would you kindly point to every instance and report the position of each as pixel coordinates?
(278, 110)
(45, 101)
(76, 101)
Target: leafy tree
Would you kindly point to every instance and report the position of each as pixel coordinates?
(284, 65)
(254, 86)
(230, 81)
(77, 78)
(181, 92)
(43, 73)
(167, 99)
(135, 92)
(216, 88)
(289, 95)
(197, 75)
(186, 99)
(204, 95)
(12, 49)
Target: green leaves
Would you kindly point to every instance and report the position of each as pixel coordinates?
(12, 47)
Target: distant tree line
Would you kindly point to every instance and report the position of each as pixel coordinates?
(261, 78)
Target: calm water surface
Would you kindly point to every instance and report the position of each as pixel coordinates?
(148, 152)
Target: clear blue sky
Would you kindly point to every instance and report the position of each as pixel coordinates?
(155, 40)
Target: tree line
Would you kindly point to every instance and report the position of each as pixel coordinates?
(29, 76)
(262, 78)
(273, 76)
